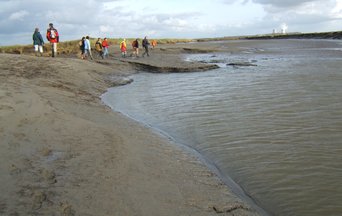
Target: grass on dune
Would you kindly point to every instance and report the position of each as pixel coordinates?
(72, 47)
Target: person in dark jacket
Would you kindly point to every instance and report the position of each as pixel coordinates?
(38, 42)
(81, 44)
(145, 45)
(135, 46)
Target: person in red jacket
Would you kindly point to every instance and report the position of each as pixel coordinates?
(105, 46)
(52, 36)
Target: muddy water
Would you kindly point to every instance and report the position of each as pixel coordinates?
(274, 128)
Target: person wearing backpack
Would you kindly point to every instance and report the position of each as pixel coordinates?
(87, 48)
(53, 37)
(38, 42)
(145, 44)
(98, 47)
(135, 46)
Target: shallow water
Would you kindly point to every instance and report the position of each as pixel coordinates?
(274, 128)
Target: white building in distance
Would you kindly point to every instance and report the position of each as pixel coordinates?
(284, 28)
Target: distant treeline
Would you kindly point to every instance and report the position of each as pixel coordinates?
(318, 35)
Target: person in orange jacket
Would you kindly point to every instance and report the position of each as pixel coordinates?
(52, 36)
(154, 44)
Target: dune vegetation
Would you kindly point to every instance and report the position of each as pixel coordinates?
(72, 47)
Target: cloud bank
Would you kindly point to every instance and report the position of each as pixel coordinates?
(133, 18)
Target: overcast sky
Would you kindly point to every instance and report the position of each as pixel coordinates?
(164, 18)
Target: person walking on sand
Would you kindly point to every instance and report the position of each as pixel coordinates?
(81, 44)
(135, 46)
(98, 47)
(154, 44)
(145, 45)
(105, 46)
(123, 48)
(38, 42)
(87, 48)
(53, 37)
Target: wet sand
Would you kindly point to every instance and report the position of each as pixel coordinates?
(63, 152)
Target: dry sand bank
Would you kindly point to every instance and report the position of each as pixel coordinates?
(169, 57)
(62, 152)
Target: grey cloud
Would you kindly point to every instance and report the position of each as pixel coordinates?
(71, 18)
(295, 22)
(299, 15)
(128, 22)
(74, 19)
(274, 3)
(282, 3)
(232, 1)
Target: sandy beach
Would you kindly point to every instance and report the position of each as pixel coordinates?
(63, 152)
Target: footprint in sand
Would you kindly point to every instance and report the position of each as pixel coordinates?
(3, 207)
(5, 110)
(13, 145)
(24, 121)
(5, 93)
(48, 176)
(37, 200)
(66, 209)
(46, 152)
(19, 136)
(14, 170)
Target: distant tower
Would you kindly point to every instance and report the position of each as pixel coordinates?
(284, 28)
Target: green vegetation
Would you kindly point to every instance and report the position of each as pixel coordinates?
(72, 48)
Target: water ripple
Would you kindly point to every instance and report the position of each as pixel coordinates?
(276, 129)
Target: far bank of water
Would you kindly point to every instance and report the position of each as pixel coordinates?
(274, 128)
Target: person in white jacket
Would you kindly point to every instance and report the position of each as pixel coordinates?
(87, 48)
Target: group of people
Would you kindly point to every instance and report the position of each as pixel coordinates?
(135, 47)
(101, 46)
(51, 35)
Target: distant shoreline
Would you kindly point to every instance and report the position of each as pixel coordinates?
(321, 35)
(336, 35)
